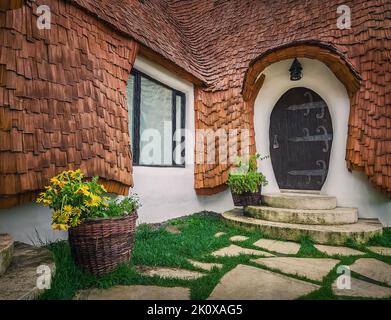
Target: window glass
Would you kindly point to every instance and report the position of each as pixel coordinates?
(155, 121)
(155, 124)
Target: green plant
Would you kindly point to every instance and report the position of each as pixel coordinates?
(245, 177)
(125, 206)
(73, 199)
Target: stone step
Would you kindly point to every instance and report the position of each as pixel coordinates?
(334, 216)
(299, 201)
(325, 234)
(6, 252)
(21, 281)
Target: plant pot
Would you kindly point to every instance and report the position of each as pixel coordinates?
(247, 198)
(100, 245)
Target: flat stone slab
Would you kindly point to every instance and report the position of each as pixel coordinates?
(373, 269)
(311, 268)
(136, 292)
(172, 229)
(205, 265)
(165, 272)
(234, 250)
(329, 234)
(250, 283)
(342, 251)
(6, 252)
(219, 234)
(333, 216)
(385, 251)
(238, 238)
(299, 201)
(20, 280)
(284, 247)
(359, 288)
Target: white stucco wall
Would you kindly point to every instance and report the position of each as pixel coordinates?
(351, 189)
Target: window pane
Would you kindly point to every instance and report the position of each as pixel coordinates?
(155, 124)
(130, 95)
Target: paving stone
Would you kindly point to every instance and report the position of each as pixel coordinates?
(137, 292)
(219, 234)
(311, 268)
(234, 250)
(373, 269)
(342, 251)
(165, 272)
(172, 229)
(6, 252)
(285, 247)
(205, 265)
(20, 280)
(359, 288)
(250, 283)
(385, 251)
(238, 238)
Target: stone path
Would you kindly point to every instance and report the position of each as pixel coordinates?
(20, 280)
(234, 250)
(172, 229)
(205, 265)
(334, 250)
(246, 282)
(285, 247)
(238, 238)
(381, 250)
(6, 251)
(135, 293)
(219, 234)
(165, 272)
(359, 288)
(373, 269)
(311, 268)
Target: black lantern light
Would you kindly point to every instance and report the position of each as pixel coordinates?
(295, 70)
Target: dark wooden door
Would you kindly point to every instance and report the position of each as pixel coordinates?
(301, 135)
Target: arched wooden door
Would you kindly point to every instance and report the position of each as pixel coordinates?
(301, 135)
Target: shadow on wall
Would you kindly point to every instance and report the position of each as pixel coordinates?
(29, 223)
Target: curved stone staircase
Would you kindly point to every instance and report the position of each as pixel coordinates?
(291, 216)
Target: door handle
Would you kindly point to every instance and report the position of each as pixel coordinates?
(275, 142)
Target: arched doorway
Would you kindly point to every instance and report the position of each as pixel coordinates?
(301, 135)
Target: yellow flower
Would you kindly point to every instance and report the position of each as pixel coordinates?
(84, 190)
(59, 226)
(68, 208)
(76, 173)
(94, 201)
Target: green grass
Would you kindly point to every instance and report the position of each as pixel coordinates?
(157, 247)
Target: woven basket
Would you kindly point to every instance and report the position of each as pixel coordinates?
(99, 245)
(247, 198)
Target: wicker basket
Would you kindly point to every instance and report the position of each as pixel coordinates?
(99, 245)
(247, 198)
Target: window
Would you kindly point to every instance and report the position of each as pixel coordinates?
(156, 117)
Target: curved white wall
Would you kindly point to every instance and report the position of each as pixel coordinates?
(351, 189)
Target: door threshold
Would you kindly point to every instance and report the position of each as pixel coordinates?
(299, 191)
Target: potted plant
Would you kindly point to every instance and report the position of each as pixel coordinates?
(246, 182)
(101, 230)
